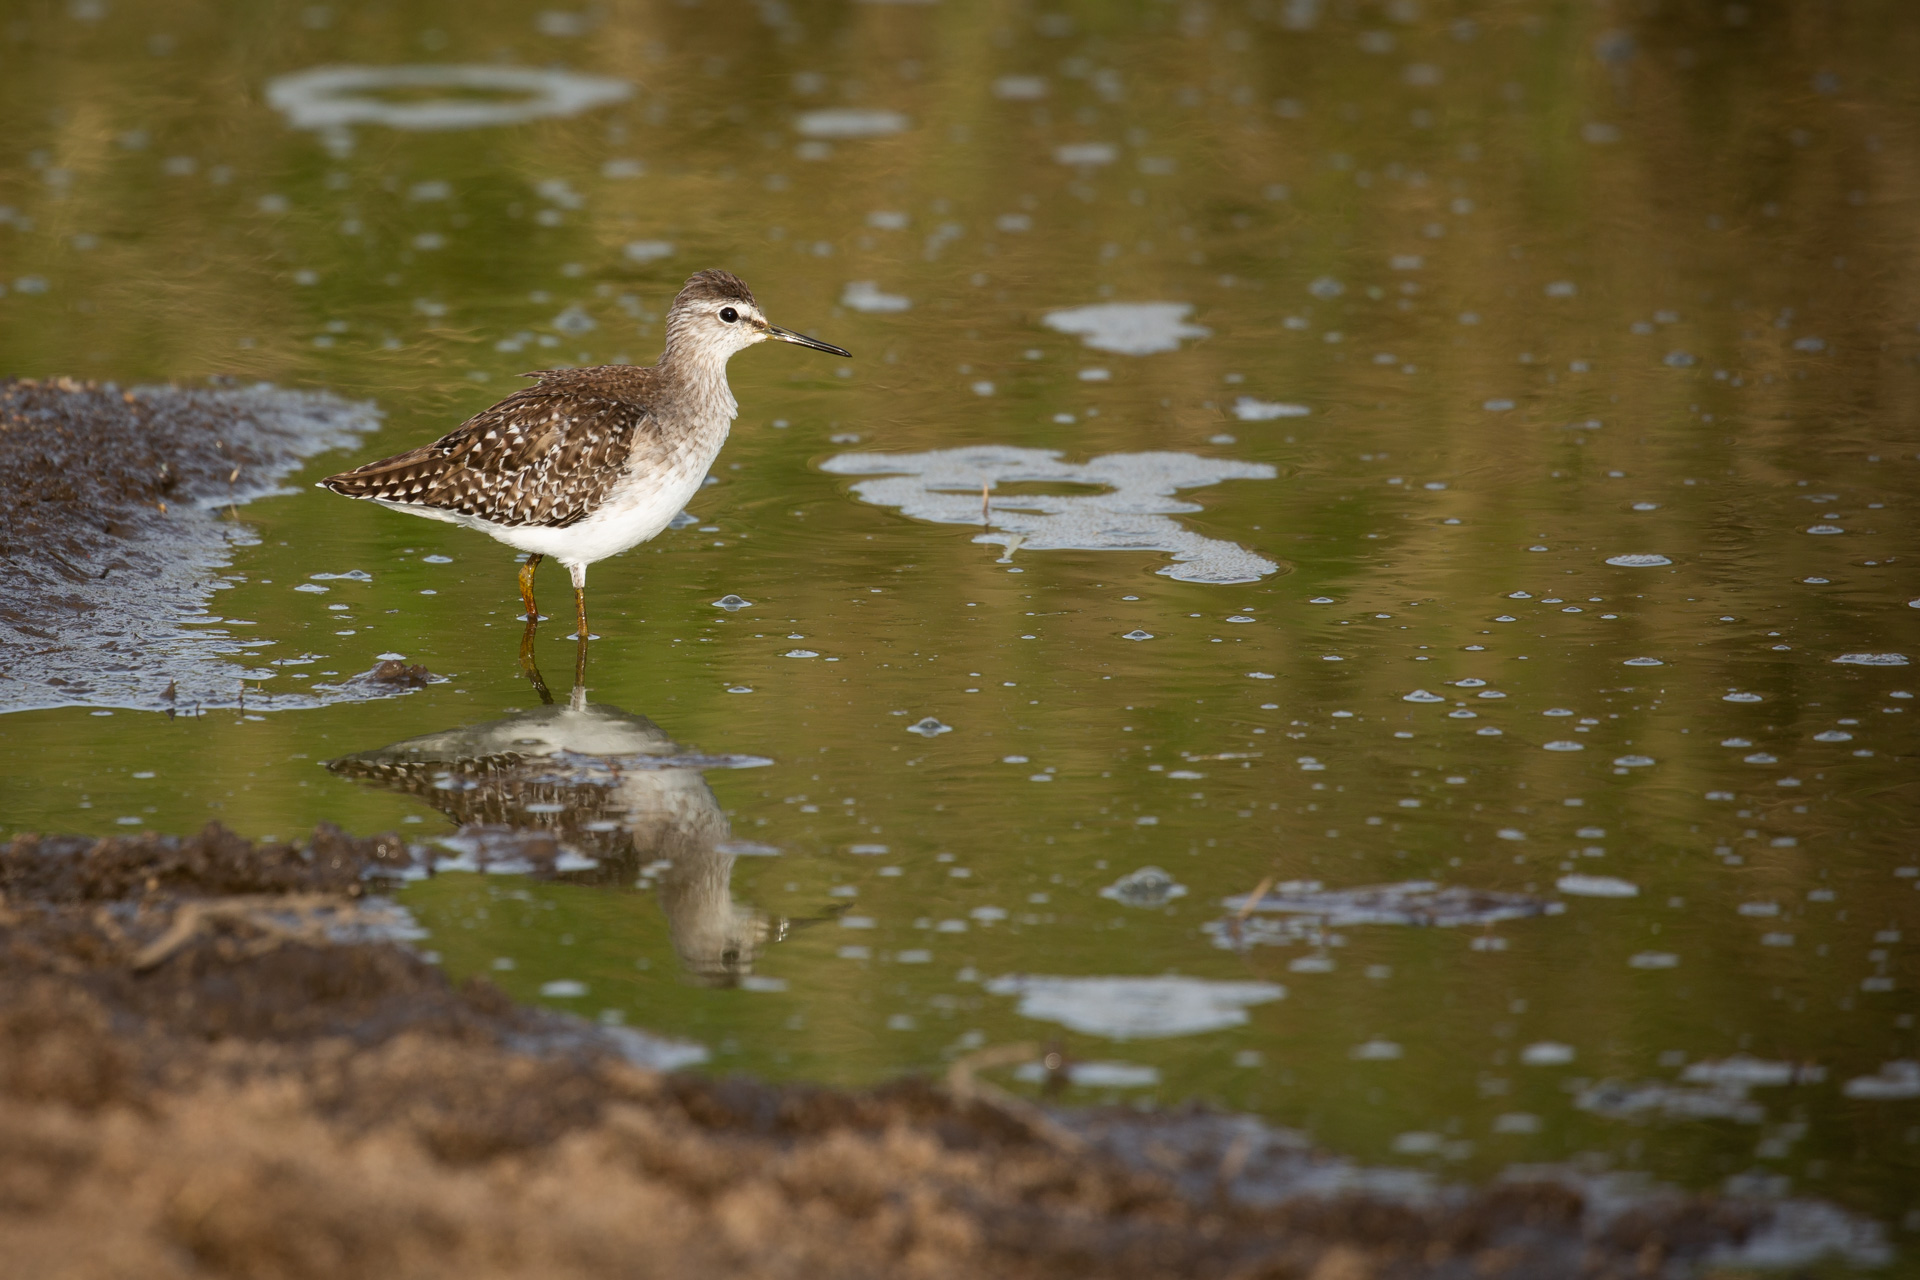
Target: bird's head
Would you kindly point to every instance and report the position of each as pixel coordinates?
(715, 315)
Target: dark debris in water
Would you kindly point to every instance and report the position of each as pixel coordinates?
(1303, 910)
(68, 870)
(399, 673)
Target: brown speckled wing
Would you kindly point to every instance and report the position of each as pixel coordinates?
(545, 456)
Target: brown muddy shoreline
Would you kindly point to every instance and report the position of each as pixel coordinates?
(119, 521)
(210, 1065)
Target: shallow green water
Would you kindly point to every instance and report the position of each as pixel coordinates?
(1554, 283)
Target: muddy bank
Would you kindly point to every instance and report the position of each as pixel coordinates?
(117, 516)
(211, 1064)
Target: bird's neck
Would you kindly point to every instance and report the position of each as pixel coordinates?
(698, 376)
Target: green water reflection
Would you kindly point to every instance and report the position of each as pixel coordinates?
(1554, 283)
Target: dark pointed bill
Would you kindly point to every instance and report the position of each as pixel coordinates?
(788, 335)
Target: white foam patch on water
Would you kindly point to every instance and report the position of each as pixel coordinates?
(865, 296)
(1086, 153)
(1247, 409)
(1895, 1082)
(849, 122)
(1097, 1075)
(1744, 1072)
(330, 98)
(1597, 887)
(944, 486)
(1638, 561)
(1020, 88)
(1129, 328)
(1136, 1008)
(1872, 659)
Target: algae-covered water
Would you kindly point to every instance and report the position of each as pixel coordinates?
(1463, 444)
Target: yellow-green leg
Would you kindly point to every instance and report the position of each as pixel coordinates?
(526, 587)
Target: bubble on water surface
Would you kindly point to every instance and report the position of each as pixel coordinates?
(1421, 695)
(1873, 659)
(335, 98)
(647, 250)
(944, 485)
(731, 602)
(1147, 887)
(849, 122)
(865, 296)
(1376, 1051)
(1128, 328)
(564, 989)
(1825, 528)
(1248, 409)
(351, 575)
(1742, 697)
(1643, 662)
(1633, 762)
(800, 653)
(929, 728)
(1597, 887)
(1638, 561)
(1137, 634)
(1136, 1008)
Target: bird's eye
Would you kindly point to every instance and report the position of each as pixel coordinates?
(729, 314)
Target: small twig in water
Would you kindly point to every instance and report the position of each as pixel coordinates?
(1238, 920)
(1252, 902)
(257, 910)
(965, 1086)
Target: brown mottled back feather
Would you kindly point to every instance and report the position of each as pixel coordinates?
(547, 455)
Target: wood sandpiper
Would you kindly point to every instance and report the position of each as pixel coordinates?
(587, 463)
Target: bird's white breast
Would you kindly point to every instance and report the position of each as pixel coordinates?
(646, 499)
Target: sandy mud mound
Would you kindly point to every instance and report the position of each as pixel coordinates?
(212, 1065)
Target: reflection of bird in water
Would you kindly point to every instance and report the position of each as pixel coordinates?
(601, 784)
(587, 462)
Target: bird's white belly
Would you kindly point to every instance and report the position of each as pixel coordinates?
(635, 511)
